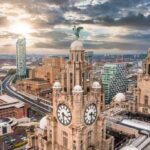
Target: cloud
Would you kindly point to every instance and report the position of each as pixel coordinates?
(52, 21)
(53, 45)
(136, 36)
(124, 4)
(3, 21)
(55, 35)
(6, 35)
(136, 21)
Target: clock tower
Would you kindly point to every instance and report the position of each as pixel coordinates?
(75, 122)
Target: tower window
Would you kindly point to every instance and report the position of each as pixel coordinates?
(82, 56)
(74, 145)
(65, 139)
(149, 69)
(71, 80)
(77, 57)
(89, 140)
(102, 98)
(81, 145)
(83, 79)
(146, 100)
(136, 98)
(70, 77)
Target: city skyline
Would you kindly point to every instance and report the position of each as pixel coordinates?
(110, 26)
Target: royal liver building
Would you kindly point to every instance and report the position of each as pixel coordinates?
(75, 122)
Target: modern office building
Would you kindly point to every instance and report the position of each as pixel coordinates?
(114, 80)
(21, 57)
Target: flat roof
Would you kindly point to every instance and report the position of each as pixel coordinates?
(38, 80)
(137, 124)
(8, 99)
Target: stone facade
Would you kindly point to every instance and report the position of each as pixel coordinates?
(49, 71)
(75, 122)
(143, 87)
(34, 86)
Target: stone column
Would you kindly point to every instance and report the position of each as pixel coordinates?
(78, 139)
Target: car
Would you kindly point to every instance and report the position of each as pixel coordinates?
(7, 141)
(10, 144)
(13, 140)
(24, 138)
(6, 137)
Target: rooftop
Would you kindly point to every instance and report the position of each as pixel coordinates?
(35, 80)
(6, 102)
(7, 99)
(11, 141)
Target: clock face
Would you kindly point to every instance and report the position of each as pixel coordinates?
(90, 114)
(64, 114)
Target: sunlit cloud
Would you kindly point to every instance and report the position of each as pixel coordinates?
(110, 25)
(21, 28)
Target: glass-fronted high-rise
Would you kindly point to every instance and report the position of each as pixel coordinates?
(21, 57)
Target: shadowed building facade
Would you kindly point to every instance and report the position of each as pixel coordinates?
(75, 122)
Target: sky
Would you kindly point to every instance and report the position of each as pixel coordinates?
(110, 26)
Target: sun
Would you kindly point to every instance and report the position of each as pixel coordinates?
(21, 28)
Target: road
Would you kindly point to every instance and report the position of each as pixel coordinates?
(37, 105)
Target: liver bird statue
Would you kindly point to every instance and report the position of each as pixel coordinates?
(76, 31)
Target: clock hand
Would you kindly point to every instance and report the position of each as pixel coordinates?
(63, 117)
(91, 114)
(66, 115)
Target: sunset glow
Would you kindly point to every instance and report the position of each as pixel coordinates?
(21, 28)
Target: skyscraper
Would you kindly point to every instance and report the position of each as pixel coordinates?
(114, 80)
(21, 57)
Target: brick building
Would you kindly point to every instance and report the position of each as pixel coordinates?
(12, 107)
